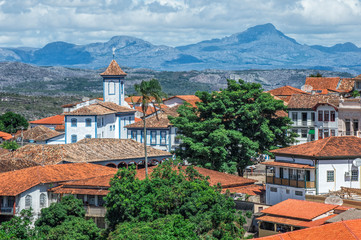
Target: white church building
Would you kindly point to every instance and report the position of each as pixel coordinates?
(102, 119)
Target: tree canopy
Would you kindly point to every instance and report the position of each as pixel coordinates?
(11, 122)
(174, 202)
(231, 126)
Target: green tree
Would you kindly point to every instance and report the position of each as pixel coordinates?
(65, 220)
(172, 193)
(11, 145)
(318, 74)
(18, 227)
(13, 122)
(151, 95)
(231, 126)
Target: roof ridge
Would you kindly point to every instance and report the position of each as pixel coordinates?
(321, 148)
(352, 233)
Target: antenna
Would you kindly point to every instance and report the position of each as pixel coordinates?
(335, 200)
(113, 49)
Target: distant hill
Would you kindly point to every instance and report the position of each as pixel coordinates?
(260, 47)
(32, 80)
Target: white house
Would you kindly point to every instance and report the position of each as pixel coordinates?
(313, 168)
(28, 188)
(326, 121)
(161, 134)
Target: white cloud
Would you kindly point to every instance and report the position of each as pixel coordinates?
(174, 22)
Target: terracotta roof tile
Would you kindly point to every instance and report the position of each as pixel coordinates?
(38, 133)
(191, 99)
(53, 120)
(286, 164)
(251, 189)
(294, 222)
(303, 101)
(15, 182)
(342, 146)
(86, 150)
(286, 91)
(160, 121)
(100, 108)
(66, 190)
(345, 230)
(323, 82)
(226, 180)
(5, 136)
(113, 70)
(347, 84)
(299, 209)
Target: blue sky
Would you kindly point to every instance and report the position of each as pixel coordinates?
(35, 23)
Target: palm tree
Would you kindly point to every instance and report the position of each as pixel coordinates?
(151, 94)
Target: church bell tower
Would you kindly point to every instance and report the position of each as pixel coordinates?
(113, 84)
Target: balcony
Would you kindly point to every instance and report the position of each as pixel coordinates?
(94, 211)
(8, 210)
(291, 183)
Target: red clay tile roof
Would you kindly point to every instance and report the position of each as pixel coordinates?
(299, 209)
(323, 82)
(160, 121)
(16, 182)
(347, 84)
(86, 150)
(60, 128)
(5, 136)
(100, 108)
(38, 133)
(331, 147)
(286, 164)
(303, 101)
(345, 230)
(285, 93)
(66, 190)
(251, 189)
(226, 181)
(113, 70)
(53, 120)
(191, 99)
(281, 113)
(295, 222)
(136, 99)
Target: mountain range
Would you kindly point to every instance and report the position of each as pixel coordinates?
(259, 47)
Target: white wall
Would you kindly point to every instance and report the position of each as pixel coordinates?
(326, 125)
(113, 90)
(80, 130)
(173, 102)
(299, 124)
(282, 193)
(340, 167)
(57, 140)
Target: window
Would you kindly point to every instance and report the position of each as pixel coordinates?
(333, 116)
(354, 175)
(11, 201)
(88, 136)
(102, 121)
(28, 201)
(327, 116)
(313, 117)
(326, 133)
(320, 134)
(88, 122)
(333, 132)
(273, 189)
(308, 175)
(99, 122)
(81, 197)
(355, 127)
(141, 136)
(287, 191)
(110, 128)
(134, 135)
(74, 138)
(358, 84)
(304, 133)
(295, 131)
(101, 201)
(91, 200)
(163, 137)
(293, 174)
(298, 193)
(348, 126)
(74, 122)
(320, 116)
(176, 138)
(130, 120)
(281, 172)
(42, 200)
(153, 137)
(330, 176)
(111, 88)
(294, 117)
(304, 117)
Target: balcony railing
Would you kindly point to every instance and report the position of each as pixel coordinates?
(291, 183)
(349, 133)
(94, 211)
(8, 210)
